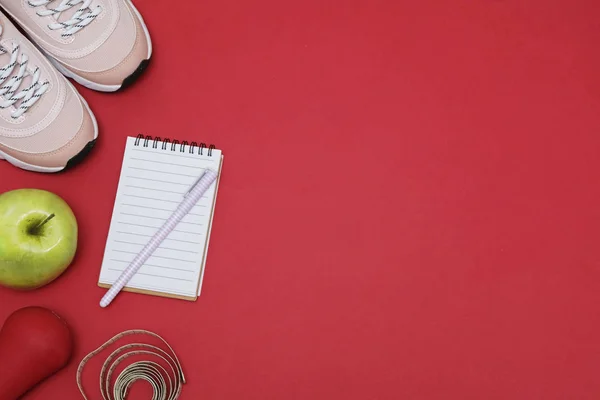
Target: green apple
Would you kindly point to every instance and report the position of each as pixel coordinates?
(38, 238)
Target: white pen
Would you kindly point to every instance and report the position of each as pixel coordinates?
(189, 201)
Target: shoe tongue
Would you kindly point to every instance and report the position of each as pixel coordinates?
(5, 58)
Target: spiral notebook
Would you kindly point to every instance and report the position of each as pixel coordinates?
(155, 175)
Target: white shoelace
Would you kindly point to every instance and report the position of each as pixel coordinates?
(82, 17)
(9, 91)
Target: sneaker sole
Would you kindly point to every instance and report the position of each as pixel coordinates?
(92, 85)
(72, 162)
(135, 75)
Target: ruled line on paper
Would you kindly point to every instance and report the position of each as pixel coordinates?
(158, 181)
(157, 227)
(141, 234)
(165, 163)
(159, 218)
(160, 209)
(155, 189)
(160, 247)
(153, 275)
(163, 209)
(164, 172)
(152, 265)
(154, 255)
(155, 199)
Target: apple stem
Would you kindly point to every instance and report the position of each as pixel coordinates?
(39, 226)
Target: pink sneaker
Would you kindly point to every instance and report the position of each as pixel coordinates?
(45, 125)
(102, 44)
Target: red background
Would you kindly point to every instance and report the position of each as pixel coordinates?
(409, 207)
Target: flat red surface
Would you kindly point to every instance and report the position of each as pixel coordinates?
(409, 207)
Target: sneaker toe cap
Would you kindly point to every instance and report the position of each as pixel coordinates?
(64, 156)
(126, 69)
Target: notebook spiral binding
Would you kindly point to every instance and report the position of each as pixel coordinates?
(164, 144)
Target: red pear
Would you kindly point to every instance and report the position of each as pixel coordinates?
(34, 344)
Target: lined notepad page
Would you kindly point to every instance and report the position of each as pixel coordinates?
(152, 184)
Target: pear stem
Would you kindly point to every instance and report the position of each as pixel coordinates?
(35, 230)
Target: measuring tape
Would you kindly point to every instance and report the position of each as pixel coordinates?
(166, 382)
